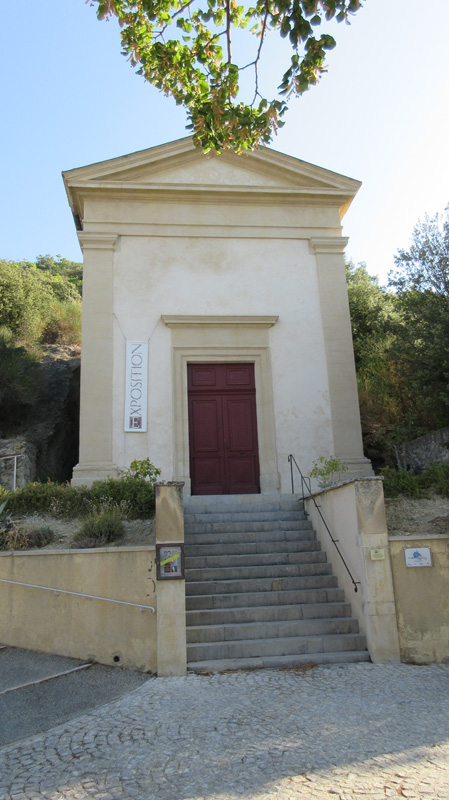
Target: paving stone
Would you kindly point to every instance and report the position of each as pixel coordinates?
(338, 732)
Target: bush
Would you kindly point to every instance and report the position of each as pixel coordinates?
(25, 539)
(6, 525)
(59, 499)
(401, 481)
(63, 325)
(28, 298)
(100, 528)
(137, 493)
(436, 478)
(142, 469)
(132, 497)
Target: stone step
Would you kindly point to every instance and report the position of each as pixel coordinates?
(248, 548)
(229, 616)
(246, 527)
(323, 626)
(279, 646)
(278, 662)
(255, 599)
(277, 571)
(271, 584)
(212, 504)
(252, 560)
(249, 537)
(245, 516)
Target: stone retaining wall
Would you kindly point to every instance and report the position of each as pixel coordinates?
(429, 449)
(422, 599)
(80, 627)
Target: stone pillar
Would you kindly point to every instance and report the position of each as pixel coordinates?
(378, 594)
(355, 513)
(171, 603)
(95, 458)
(343, 397)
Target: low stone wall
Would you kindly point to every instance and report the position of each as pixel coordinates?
(355, 513)
(429, 449)
(92, 629)
(422, 600)
(77, 626)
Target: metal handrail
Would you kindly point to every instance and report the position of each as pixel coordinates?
(14, 476)
(305, 482)
(79, 594)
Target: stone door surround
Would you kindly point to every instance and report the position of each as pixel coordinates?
(222, 339)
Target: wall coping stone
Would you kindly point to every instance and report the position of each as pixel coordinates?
(80, 551)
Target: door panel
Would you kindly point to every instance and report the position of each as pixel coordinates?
(223, 429)
(206, 444)
(240, 432)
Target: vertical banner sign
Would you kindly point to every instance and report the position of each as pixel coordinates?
(136, 386)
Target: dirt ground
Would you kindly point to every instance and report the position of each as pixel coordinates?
(408, 517)
(405, 517)
(137, 531)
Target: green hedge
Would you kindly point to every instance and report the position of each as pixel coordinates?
(434, 480)
(135, 496)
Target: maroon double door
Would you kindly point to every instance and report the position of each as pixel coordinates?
(224, 455)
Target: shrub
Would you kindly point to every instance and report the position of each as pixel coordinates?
(100, 528)
(137, 493)
(327, 470)
(401, 481)
(436, 478)
(25, 539)
(142, 469)
(130, 496)
(28, 295)
(63, 325)
(59, 499)
(6, 525)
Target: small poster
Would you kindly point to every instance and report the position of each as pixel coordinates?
(170, 561)
(418, 557)
(136, 379)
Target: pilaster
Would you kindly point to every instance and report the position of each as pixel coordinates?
(343, 397)
(95, 458)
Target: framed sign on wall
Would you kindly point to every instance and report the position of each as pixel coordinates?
(170, 561)
(136, 387)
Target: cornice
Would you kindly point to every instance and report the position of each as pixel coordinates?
(204, 192)
(97, 241)
(215, 320)
(331, 244)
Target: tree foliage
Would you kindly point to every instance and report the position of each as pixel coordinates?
(186, 49)
(425, 266)
(33, 297)
(401, 342)
(39, 304)
(421, 281)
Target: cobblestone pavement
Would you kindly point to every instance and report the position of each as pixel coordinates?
(355, 731)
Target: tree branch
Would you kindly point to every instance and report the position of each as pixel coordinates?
(228, 29)
(256, 61)
(176, 14)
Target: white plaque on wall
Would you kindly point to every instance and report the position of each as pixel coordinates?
(136, 386)
(418, 557)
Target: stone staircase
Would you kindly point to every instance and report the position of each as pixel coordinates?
(259, 591)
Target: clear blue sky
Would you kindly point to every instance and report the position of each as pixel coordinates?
(381, 115)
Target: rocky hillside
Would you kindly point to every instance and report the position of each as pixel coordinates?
(46, 437)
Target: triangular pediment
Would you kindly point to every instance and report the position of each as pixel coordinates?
(180, 163)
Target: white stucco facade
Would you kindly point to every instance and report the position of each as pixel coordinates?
(223, 259)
